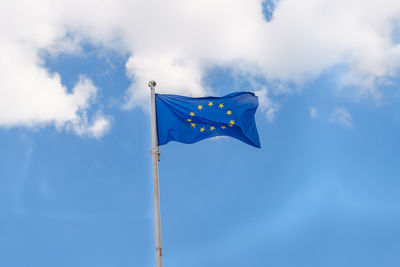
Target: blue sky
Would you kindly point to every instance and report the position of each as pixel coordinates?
(75, 165)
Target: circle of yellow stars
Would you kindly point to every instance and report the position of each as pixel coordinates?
(212, 128)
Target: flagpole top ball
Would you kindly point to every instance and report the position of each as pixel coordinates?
(152, 84)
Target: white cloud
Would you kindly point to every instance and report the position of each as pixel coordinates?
(96, 128)
(342, 116)
(30, 95)
(176, 76)
(176, 41)
(266, 105)
(313, 112)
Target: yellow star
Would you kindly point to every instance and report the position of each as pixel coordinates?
(189, 120)
(212, 128)
(193, 125)
(202, 129)
(223, 127)
(191, 114)
(229, 112)
(199, 107)
(232, 122)
(210, 103)
(221, 105)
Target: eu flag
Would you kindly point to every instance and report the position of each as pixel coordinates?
(189, 120)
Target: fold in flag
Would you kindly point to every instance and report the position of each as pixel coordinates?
(189, 120)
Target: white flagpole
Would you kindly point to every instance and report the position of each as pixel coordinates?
(155, 151)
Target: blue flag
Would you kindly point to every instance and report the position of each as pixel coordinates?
(189, 120)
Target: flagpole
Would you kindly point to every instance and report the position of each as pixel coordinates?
(155, 151)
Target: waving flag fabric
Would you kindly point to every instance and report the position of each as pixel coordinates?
(189, 120)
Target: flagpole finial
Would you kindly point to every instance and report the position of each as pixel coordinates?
(152, 84)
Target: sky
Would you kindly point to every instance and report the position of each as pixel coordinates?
(75, 135)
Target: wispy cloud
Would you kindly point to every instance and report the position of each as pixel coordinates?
(21, 179)
(342, 116)
(266, 104)
(313, 113)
